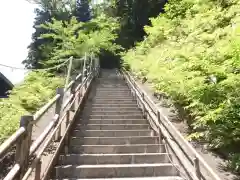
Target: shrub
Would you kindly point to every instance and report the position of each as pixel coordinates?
(26, 98)
(193, 55)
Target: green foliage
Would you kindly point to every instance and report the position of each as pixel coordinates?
(133, 15)
(27, 98)
(192, 53)
(75, 38)
(234, 162)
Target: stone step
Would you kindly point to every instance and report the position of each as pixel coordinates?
(115, 170)
(101, 113)
(113, 89)
(122, 105)
(112, 126)
(111, 94)
(97, 109)
(111, 139)
(119, 101)
(111, 133)
(108, 100)
(93, 159)
(114, 92)
(106, 97)
(117, 149)
(118, 104)
(114, 140)
(121, 116)
(115, 95)
(114, 121)
(133, 178)
(111, 82)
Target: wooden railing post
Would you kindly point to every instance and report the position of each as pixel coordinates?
(144, 108)
(86, 75)
(73, 107)
(23, 145)
(94, 67)
(66, 140)
(38, 169)
(58, 108)
(84, 67)
(197, 168)
(84, 72)
(69, 71)
(159, 129)
(91, 62)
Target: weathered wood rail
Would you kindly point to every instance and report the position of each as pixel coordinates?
(193, 165)
(28, 154)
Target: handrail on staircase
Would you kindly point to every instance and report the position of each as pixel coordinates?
(28, 154)
(194, 166)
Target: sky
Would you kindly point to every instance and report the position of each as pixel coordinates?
(16, 17)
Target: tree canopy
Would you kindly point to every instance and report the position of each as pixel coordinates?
(131, 16)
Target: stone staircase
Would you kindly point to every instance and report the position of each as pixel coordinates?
(111, 139)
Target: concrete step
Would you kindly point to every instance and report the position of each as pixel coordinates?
(115, 92)
(108, 100)
(114, 140)
(117, 101)
(97, 109)
(101, 113)
(92, 103)
(112, 94)
(122, 105)
(93, 159)
(123, 97)
(112, 126)
(114, 121)
(112, 83)
(121, 116)
(118, 149)
(111, 133)
(112, 89)
(115, 170)
(133, 178)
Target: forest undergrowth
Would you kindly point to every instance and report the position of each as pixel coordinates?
(192, 54)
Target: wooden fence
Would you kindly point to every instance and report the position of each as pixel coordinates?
(192, 165)
(28, 154)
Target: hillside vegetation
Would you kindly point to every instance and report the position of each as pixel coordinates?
(192, 54)
(25, 99)
(60, 33)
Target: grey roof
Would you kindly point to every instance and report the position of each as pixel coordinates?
(6, 80)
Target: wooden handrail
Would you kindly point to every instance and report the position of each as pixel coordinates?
(65, 138)
(45, 108)
(22, 137)
(69, 85)
(43, 135)
(40, 152)
(166, 126)
(13, 173)
(11, 141)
